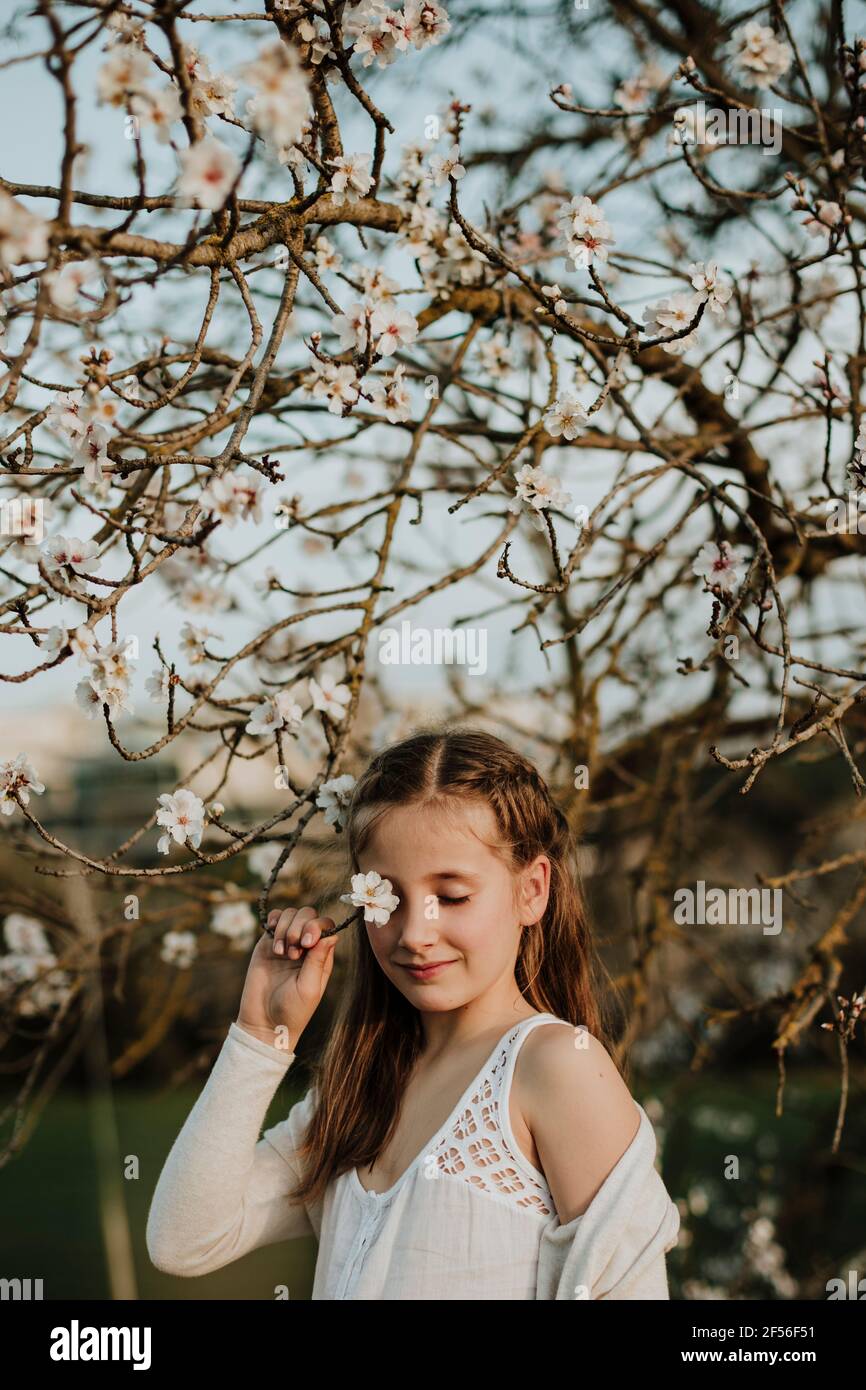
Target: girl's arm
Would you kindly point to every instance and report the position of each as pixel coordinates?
(223, 1191)
(597, 1147)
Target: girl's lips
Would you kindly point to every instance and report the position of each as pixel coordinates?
(428, 971)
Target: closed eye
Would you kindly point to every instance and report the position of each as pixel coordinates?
(452, 901)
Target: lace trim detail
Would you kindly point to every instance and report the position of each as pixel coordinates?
(476, 1151)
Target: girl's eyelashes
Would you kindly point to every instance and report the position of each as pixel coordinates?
(453, 901)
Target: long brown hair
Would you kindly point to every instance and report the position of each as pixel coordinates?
(377, 1034)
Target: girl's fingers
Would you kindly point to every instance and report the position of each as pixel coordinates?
(296, 930)
(281, 930)
(304, 934)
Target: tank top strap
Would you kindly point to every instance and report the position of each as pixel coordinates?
(515, 1041)
(480, 1147)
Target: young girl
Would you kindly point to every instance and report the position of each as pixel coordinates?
(467, 1134)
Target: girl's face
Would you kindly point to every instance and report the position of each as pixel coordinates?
(460, 907)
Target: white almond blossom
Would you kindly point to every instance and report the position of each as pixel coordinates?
(158, 110)
(316, 46)
(280, 711)
(829, 215)
(379, 288)
(179, 948)
(759, 55)
(710, 287)
(423, 223)
(156, 684)
(88, 698)
(352, 175)
(211, 94)
(25, 936)
(351, 327)
(586, 231)
(182, 814)
(53, 642)
(50, 988)
(425, 22)
(270, 579)
(123, 28)
(334, 797)
(374, 894)
(208, 173)
(61, 553)
(818, 299)
(496, 357)
(23, 235)
(720, 564)
(413, 164)
(339, 386)
(381, 33)
(391, 394)
(327, 256)
(262, 858)
(124, 73)
(376, 45)
(101, 409)
(460, 261)
(689, 131)
(64, 285)
(233, 497)
(330, 697)
(198, 597)
(636, 92)
(448, 166)
(219, 499)
(193, 641)
(111, 665)
(107, 682)
(236, 921)
(31, 961)
(83, 643)
(677, 311)
(280, 106)
(90, 451)
(670, 316)
(566, 417)
(18, 775)
(392, 328)
(555, 293)
(540, 491)
(66, 414)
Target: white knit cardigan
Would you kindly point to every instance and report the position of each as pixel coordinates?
(223, 1191)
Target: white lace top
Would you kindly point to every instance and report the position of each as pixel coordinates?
(470, 1218)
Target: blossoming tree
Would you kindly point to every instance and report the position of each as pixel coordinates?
(607, 357)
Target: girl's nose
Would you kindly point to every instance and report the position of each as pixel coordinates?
(416, 919)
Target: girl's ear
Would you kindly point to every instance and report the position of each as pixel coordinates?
(535, 890)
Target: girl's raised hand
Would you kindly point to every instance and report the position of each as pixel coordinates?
(286, 980)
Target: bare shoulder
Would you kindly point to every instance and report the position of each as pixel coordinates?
(578, 1110)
